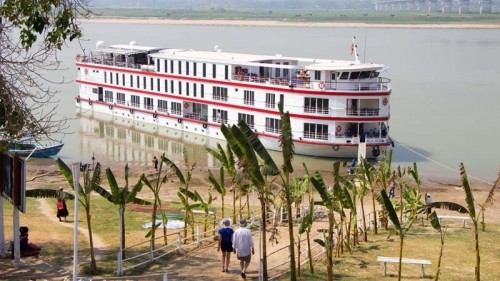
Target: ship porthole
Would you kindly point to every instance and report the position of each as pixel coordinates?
(336, 148)
(110, 107)
(155, 116)
(131, 111)
(179, 120)
(205, 125)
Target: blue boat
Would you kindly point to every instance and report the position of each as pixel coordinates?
(27, 148)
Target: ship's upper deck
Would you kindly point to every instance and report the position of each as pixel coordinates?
(219, 56)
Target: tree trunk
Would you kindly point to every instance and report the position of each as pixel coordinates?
(374, 214)
(298, 258)
(93, 264)
(438, 271)
(248, 204)
(309, 253)
(293, 267)
(401, 238)
(265, 277)
(122, 231)
(478, 258)
(153, 223)
(222, 206)
(186, 216)
(365, 235)
(234, 204)
(329, 247)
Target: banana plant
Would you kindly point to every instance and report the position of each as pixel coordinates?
(205, 206)
(184, 196)
(400, 227)
(287, 152)
(362, 187)
(91, 182)
(330, 201)
(155, 187)
(185, 179)
(246, 146)
(219, 186)
(226, 158)
(121, 197)
(436, 224)
(305, 226)
(470, 210)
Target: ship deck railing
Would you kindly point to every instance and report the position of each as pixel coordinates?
(362, 112)
(97, 60)
(379, 84)
(341, 138)
(196, 116)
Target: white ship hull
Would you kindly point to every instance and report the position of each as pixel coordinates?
(331, 112)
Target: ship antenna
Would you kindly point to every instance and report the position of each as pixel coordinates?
(354, 49)
(364, 49)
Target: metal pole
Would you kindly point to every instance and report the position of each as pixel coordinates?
(17, 246)
(119, 270)
(260, 251)
(76, 186)
(3, 253)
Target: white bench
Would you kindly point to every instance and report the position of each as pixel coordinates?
(463, 219)
(385, 260)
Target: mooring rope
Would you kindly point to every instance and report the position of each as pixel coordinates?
(438, 163)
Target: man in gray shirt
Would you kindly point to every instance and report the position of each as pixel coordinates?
(243, 246)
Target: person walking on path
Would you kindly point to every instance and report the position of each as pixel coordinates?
(428, 201)
(225, 243)
(62, 209)
(155, 163)
(243, 246)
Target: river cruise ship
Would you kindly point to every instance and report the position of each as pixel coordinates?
(338, 108)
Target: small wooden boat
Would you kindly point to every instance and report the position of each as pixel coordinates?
(26, 147)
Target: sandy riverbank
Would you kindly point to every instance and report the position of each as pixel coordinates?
(269, 23)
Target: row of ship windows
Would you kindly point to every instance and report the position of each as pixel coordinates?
(312, 105)
(168, 67)
(199, 111)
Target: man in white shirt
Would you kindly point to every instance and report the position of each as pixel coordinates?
(243, 246)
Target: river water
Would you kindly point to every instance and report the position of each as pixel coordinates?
(444, 104)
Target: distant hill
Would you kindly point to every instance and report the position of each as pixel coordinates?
(234, 4)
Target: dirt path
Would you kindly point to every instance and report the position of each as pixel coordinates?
(47, 211)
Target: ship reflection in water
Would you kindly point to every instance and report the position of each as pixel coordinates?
(117, 140)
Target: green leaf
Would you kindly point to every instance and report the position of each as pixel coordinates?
(320, 242)
(469, 197)
(384, 200)
(436, 224)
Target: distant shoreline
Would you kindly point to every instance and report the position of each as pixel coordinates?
(270, 23)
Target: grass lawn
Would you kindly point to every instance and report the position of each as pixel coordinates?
(421, 242)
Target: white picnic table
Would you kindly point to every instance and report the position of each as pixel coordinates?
(386, 260)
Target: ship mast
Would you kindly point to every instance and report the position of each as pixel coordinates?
(354, 50)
